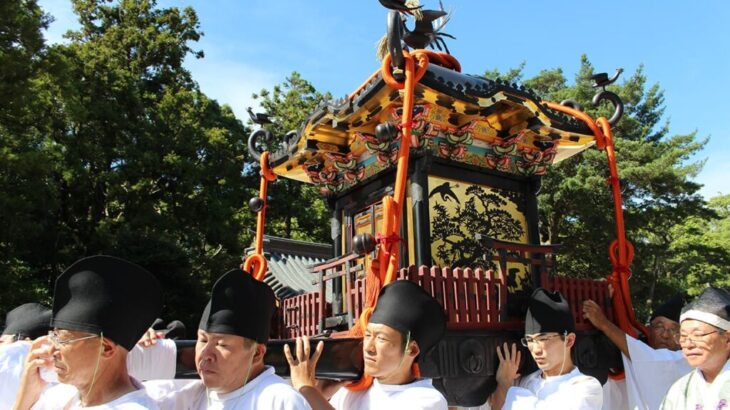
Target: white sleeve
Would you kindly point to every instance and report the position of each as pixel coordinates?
(640, 352)
(651, 372)
(12, 362)
(519, 398)
(421, 398)
(580, 393)
(181, 394)
(155, 362)
(55, 397)
(281, 396)
(338, 399)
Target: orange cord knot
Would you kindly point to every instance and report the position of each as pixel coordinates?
(256, 265)
(387, 72)
(387, 239)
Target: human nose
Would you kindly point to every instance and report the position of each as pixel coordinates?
(535, 346)
(369, 344)
(207, 351)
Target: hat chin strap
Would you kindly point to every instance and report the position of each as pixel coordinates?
(250, 365)
(98, 360)
(405, 350)
(245, 380)
(565, 351)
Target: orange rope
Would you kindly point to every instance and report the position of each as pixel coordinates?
(383, 270)
(256, 263)
(621, 251)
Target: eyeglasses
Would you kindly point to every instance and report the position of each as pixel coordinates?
(696, 338)
(527, 340)
(662, 330)
(58, 343)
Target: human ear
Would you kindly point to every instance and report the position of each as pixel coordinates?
(570, 340)
(260, 351)
(107, 348)
(413, 349)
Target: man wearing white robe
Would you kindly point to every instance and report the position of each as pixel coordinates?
(705, 340)
(557, 384)
(154, 362)
(12, 361)
(229, 354)
(22, 324)
(406, 323)
(55, 395)
(265, 391)
(102, 305)
(649, 369)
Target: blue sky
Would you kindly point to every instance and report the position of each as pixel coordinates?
(684, 46)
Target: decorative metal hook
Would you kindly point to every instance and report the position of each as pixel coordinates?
(394, 38)
(618, 105)
(253, 140)
(601, 81)
(291, 140)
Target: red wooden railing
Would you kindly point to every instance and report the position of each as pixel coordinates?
(578, 290)
(302, 315)
(473, 299)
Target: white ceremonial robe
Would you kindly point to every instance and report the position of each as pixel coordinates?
(614, 395)
(419, 394)
(12, 363)
(58, 396)
(143, 363)
(649, 374)
(266, 391)
(692, 392)
(153, 362)
(571, 391)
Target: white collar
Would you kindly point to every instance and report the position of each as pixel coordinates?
(400, 387)
(250, 385)
(559, 377)
(724, 372)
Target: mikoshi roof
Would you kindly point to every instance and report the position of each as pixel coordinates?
(289, 265)
(484, 123)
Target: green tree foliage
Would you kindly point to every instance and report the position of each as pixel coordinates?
(26, 153)
(134, 160)
(660, 196)
(109, 146)
(700, 249)
(296, 210)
